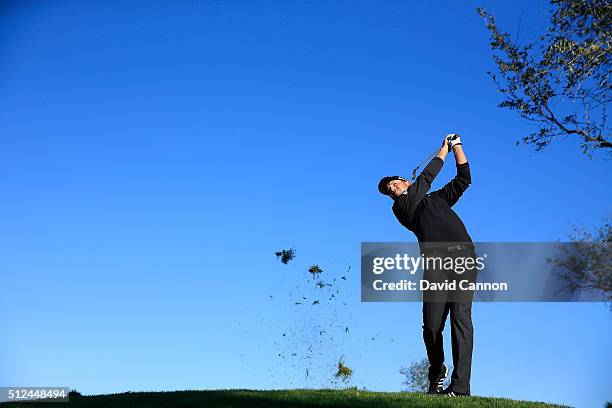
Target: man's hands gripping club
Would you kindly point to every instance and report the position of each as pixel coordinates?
(452, 142)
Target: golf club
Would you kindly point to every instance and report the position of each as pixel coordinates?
(427, 160)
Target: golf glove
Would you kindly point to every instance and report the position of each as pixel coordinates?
(453, 140)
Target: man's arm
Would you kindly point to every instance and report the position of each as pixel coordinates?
(454, 189)
(422, 184)
(405, 204)
(443, 150)
(459, 154)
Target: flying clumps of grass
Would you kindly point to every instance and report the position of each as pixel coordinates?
(344, 372)
(285, 255)
(312, 343)
(315, 270)
(321, 284)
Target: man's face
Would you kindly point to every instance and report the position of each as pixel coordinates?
(397, 187)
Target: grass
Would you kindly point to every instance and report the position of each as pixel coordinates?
(353, 398)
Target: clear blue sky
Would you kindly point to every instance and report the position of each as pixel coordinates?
(154, 155)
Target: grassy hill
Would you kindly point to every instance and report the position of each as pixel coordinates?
(277, 399)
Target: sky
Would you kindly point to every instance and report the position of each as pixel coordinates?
(155, 155)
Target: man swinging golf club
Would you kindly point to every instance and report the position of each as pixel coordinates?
(440, 232)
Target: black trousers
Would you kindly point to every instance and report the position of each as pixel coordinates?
(436, 307)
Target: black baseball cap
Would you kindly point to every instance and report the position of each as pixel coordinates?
(382, 184)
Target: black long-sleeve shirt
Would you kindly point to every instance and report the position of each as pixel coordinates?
(430, 216)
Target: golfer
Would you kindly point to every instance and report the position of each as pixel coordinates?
(440, 232)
